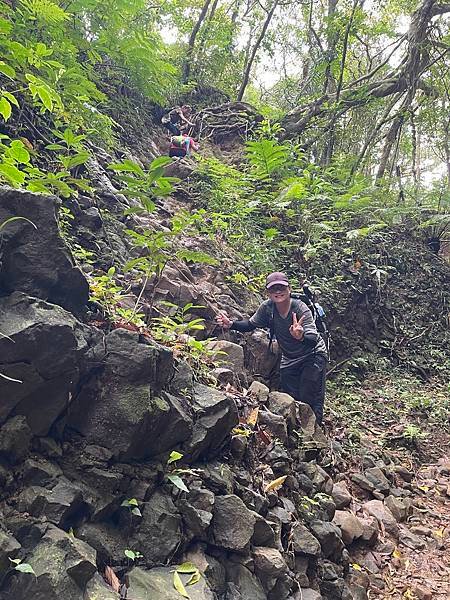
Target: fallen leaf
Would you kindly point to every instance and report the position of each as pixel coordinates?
(187, 567)
(253, 417)
(112, 579)
(178, 585)
(275, 484)
(195, 578)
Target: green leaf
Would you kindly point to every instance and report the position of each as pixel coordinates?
(178, 482)
(5, 108)
(7, 70)
(130, 554)
(174, 455)
(127, 166)
(136, 512)
(178, 585)
(55, 147)
(25, 568)
(187, 567)
(12, 174)
(45, 97)
(70, 162)
(161, 161)
(11, 98)
(18, 152)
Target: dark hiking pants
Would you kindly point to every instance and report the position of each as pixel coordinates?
(306, 382)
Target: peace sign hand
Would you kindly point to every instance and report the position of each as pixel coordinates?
(296, 329)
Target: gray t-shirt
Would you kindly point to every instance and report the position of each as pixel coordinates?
(293, 351)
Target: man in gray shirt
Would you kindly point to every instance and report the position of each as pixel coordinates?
(304, 354)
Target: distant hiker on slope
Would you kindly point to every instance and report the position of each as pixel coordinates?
(304, 354)
(182, 145)
(177, 119)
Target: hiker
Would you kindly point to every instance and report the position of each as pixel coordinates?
(304, 353)
(177, 119)
(182, 145)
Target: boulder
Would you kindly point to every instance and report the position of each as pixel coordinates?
(157, 584)
(329, 536)
(196, 510)
(230, 355)
(233, 524)
(259, 390)
(399, 507)
(107, 540)
(215, 415)
(303, 541)
(46, 352)
(276, 424)
(285, 406)
(39, 472)
(307, 594)
(350, 526)
(242, 584)
(159, 533)
(97, 589)
(376, 508)
(269, 562)
(15, 439)
(63, 565)
(36, 260)
(341, 495)
(378, 479)
(123, 409)
(59, 505)
(9, 547)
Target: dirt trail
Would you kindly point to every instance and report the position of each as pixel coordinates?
(422, 573)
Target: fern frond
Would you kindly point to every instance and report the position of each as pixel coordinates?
(266, 157)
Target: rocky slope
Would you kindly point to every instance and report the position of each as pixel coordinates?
(90, 416)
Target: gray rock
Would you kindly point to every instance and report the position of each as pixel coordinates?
(378, 479)
(329, 536)
(410, 540)
(276, 424)
(362, 482)
(157, 584)
(215, 415)
(233, 524)
(376, 508)
(399, 507)
(47, 354)
(38, 263)
(124, 409)
(238, 446)
(320, 478)
(97, 589)
(341, 495)
(285, 406)
(232, 357)
(243, 585)
(196, 510)
(15, 439)
(370, 532)
(219, 477)
(58, 505)
(264, 533)
(52, 559)
(308, 594)
(301, 570)
(404, 473)
(40, 472)
(304, 542)
(109, 541)
(9, 547)
(349, 525)
(159, 532)
(259, 390)
(269, 562)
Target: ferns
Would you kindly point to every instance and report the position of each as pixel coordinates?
(266, 157)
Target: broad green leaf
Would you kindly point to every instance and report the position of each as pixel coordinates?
(5, 26)
(130, 554)
(12, 174)
(178, 482)
(127, 166)
(178, 585)
(18, 152)
(5, 108)
(174, 455)
(7, 70)
(45, 97)
(11, 98)
(136, 511)
(161, 161)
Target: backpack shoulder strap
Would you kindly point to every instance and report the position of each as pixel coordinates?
(271, 325)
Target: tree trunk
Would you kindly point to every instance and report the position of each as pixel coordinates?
(186, 69)
(249, 64)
